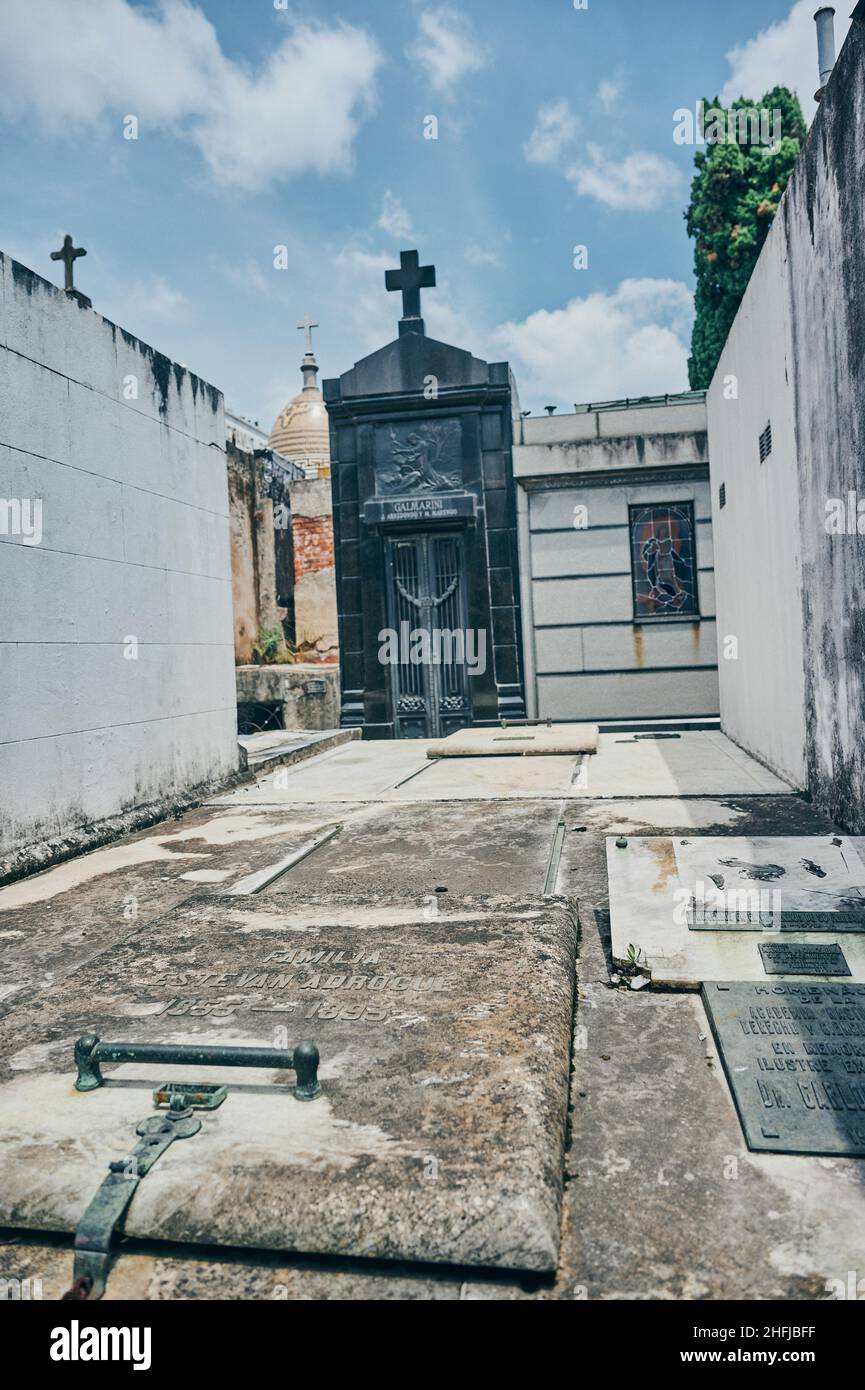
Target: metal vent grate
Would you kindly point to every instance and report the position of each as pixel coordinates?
(722, 495)
(766, 443)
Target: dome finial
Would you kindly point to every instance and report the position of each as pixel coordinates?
(309, 366)
(301, 432)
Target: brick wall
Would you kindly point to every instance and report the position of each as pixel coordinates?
(313, 544)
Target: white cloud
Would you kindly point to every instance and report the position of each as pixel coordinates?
(608, 94)
(447, 47)
(156, 298)
(785, 55)
(246, 274)
(358, 284)
(447, 324)
(100, 60)
(640, 182)
(631, 342)
(395, 218)
(555, 129)
(482, 255)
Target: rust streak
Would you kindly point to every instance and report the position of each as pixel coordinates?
(666, 857)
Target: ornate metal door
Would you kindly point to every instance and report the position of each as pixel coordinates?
(427, 610)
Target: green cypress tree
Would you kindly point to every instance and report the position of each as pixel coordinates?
(734, 198)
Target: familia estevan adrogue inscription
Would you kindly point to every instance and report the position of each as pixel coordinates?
(247, 988)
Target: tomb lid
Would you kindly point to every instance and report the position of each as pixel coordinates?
(444, 1033)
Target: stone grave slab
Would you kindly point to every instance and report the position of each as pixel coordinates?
(51, 922)
(794, 1055)
(654, 882)
(444, 1033)
(497, 848)
(517, 742)
(780, 958)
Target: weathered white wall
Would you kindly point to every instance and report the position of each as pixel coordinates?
(790, 588)
(135, 544)
(757, 536)
(823, 225)
(585, 656)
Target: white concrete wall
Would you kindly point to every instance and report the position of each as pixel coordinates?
(824, 230)
(135, 544)
(585, 655)
(757, 535)
(791, 586)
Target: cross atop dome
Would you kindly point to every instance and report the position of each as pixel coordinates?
(309, 366)
(411, 278)
(306, 326)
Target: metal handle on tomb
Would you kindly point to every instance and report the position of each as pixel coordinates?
(90, 1053)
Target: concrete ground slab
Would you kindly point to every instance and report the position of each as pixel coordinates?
(52, 922)
(702, 763)
(519, 742)
(698, 763)
(648, 908)
(357, 772)
(455, 846)
(491, 779)
(663, 1199)
(445, 1043)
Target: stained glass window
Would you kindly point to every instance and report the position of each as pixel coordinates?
(663, 561)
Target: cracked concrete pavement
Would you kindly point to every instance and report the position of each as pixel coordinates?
(662, 1199)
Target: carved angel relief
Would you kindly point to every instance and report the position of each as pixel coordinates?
(419, 459)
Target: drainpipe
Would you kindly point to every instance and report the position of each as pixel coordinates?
(825, 21)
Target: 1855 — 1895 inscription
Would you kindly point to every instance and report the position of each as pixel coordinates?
(794, 1055)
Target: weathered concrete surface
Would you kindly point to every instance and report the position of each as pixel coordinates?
(698, 763)
(703, 763)
(53, 922)
(822, 224)
(281, 748)
(178, 1272)
(445, 1040)
(663, 1199)
(461, 847)
(117, 678)
(650, 1103)
(588, 824)
(302, 710)
(789, 542)
(491, 779)
(356, 773)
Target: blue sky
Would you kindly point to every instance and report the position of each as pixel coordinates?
(303, 127)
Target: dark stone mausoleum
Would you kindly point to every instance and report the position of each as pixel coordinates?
(425, 533)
